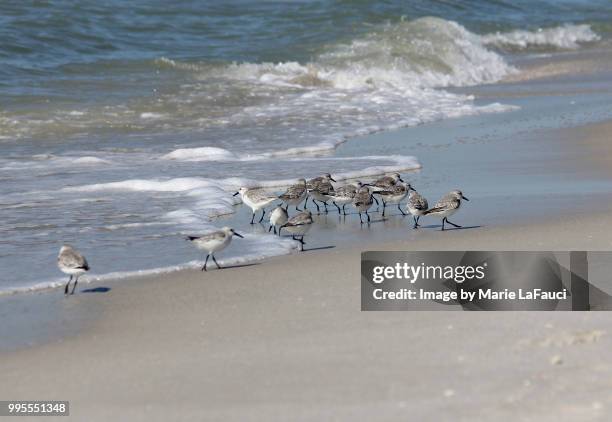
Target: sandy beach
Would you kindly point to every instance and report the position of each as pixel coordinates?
(125, 136)
(285, 340)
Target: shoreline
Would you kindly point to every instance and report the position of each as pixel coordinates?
(301, 337)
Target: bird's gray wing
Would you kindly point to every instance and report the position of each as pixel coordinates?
(217, 235)
(73, 259)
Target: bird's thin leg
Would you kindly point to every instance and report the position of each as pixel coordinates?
(375, 200)
(302, 243)
(360, 219)
(205, 262)
(306, 203)
(334, 202)
(317, 204)
(368, 216)
(76, 280)
(253, 217)
(213, 257)
(262, 215)
(453, 224)
(399, 207)
(418, 217)
(416, 222)
(270, 229)
(275, 230)
(344, 209)
(325, 203)
(384, 207)
(67, 285)
(443, 220)
(297, 209)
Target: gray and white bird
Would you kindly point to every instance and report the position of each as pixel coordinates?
(393, 195)
(344, 195)
(71, 262)
(295, 194)
(363, 201)
(298, 225)
(320, 189)
(417, 206)
(256, 199)
(213, 242)
(447, 206)
(278, 217)
(386, 182)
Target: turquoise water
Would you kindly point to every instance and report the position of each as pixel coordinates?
(125, 125)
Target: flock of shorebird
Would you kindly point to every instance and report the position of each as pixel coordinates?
(391, 190)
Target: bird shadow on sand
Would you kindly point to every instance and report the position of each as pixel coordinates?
(318, 248)
(448, 229)
(96, 290)
(250, 264)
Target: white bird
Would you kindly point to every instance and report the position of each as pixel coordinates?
(363, 201)
(213, 242)
(256, 199)
(447, 206)
(417, 206)
(320, 189)
(71, 262)
(344, 195)
(278, 217)
(298, 225)
(295, 194)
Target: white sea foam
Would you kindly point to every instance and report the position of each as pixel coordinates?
(200, 154)
(566, 36)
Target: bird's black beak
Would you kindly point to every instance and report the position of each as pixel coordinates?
(411, 188)
(236, 194)
(366, 184)
(332, 179)
(238, 234)
(464, 197)
(400, 179)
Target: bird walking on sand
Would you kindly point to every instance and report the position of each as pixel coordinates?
(71, 262)
(278, 217)
(213, 242)
(298, 225)
(417, 206)
(344, 195)
(295, 194)
(394, 194)
(256, 199)
(363, 201)
(447, 206)
(320, 189)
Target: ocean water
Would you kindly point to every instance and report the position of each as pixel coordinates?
(126, 125)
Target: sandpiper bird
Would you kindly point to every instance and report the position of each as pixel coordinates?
(295, 194)
(298, 225)
(256, 199)
(320, 189)
(344, 195)
(213, 242)
(363, 201)
(394, 194)
(447, 206)
(386, 182)
(417, 206)
(278, 217)
(71, 262)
